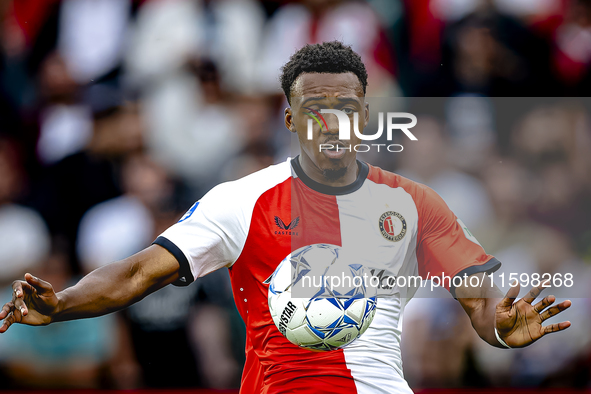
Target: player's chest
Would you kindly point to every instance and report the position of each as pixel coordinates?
(378, 224)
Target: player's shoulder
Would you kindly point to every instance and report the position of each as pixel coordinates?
(383, 177)
(251, 186)
(422, 195)
(426, 200)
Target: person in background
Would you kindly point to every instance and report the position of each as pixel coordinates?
(65, 356)
(197, 320)
(81, 180)
(315, 21)
(24, 238)
(68, 355)
(64, 122)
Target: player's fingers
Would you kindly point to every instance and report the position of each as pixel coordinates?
(21, 307)
(546, 302)
(556, 327)
(25, 289)
(555, 310)
(511, 294)
(21, 288)
(10, 320)
(6, 309)
(40, 285)
(17, 289)
(535, 292)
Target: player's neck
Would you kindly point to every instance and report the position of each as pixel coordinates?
(348, 176)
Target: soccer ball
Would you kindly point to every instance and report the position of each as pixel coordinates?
(318, 298)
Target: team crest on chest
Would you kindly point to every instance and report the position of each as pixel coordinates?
(392, 226)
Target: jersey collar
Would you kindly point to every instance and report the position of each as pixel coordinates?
(331, 190)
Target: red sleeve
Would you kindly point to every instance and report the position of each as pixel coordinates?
(445, 246)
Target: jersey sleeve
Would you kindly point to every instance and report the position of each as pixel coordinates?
(445, 246)
(208, 237)
(212, 233)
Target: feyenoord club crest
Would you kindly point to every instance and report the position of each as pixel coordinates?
(392, 226)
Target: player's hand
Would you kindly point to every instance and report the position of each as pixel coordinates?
(33, 303)
(520, 323)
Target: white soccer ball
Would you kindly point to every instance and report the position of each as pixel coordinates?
(312, 302)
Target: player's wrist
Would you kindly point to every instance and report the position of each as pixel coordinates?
(500, 340)
(54, 316)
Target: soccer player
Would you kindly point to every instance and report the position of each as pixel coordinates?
(321, 196)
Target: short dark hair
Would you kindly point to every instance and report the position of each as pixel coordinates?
(329, 57)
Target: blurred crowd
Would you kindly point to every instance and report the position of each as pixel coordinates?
(116, 115)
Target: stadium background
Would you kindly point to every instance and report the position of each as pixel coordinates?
(116, 115)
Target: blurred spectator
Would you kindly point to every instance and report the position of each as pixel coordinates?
(509, 186)
(186, 56)
(557, 361)
(428, 162)
(168, 34)
(92, 36)
(194, 133)
(61, 356)
(550, 140)
(470, 124)
(435, 326)
(253, 157)
(65, 124)
(416, 35)
(492, 53)
(119, 227)
(24, 239)
(568, 31)
(311, 21)
(452, 10)
(84, 179)
(449, 47)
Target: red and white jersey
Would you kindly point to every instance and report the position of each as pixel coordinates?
(252, 224)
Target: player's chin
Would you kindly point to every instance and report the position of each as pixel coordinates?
(334, 168)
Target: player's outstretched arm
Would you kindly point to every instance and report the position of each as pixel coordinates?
(104, 290)
(518, 323)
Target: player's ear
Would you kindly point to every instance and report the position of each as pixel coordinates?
(366, 113)
(289, 120)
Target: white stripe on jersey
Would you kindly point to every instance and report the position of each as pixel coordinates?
(375, 358)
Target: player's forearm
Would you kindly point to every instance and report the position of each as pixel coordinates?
(117, 285)
(105, 290)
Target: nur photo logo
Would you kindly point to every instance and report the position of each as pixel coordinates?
(344, 126)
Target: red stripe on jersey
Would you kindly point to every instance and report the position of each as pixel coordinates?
(273, 364)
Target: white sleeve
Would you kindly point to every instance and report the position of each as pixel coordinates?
(212, 233)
